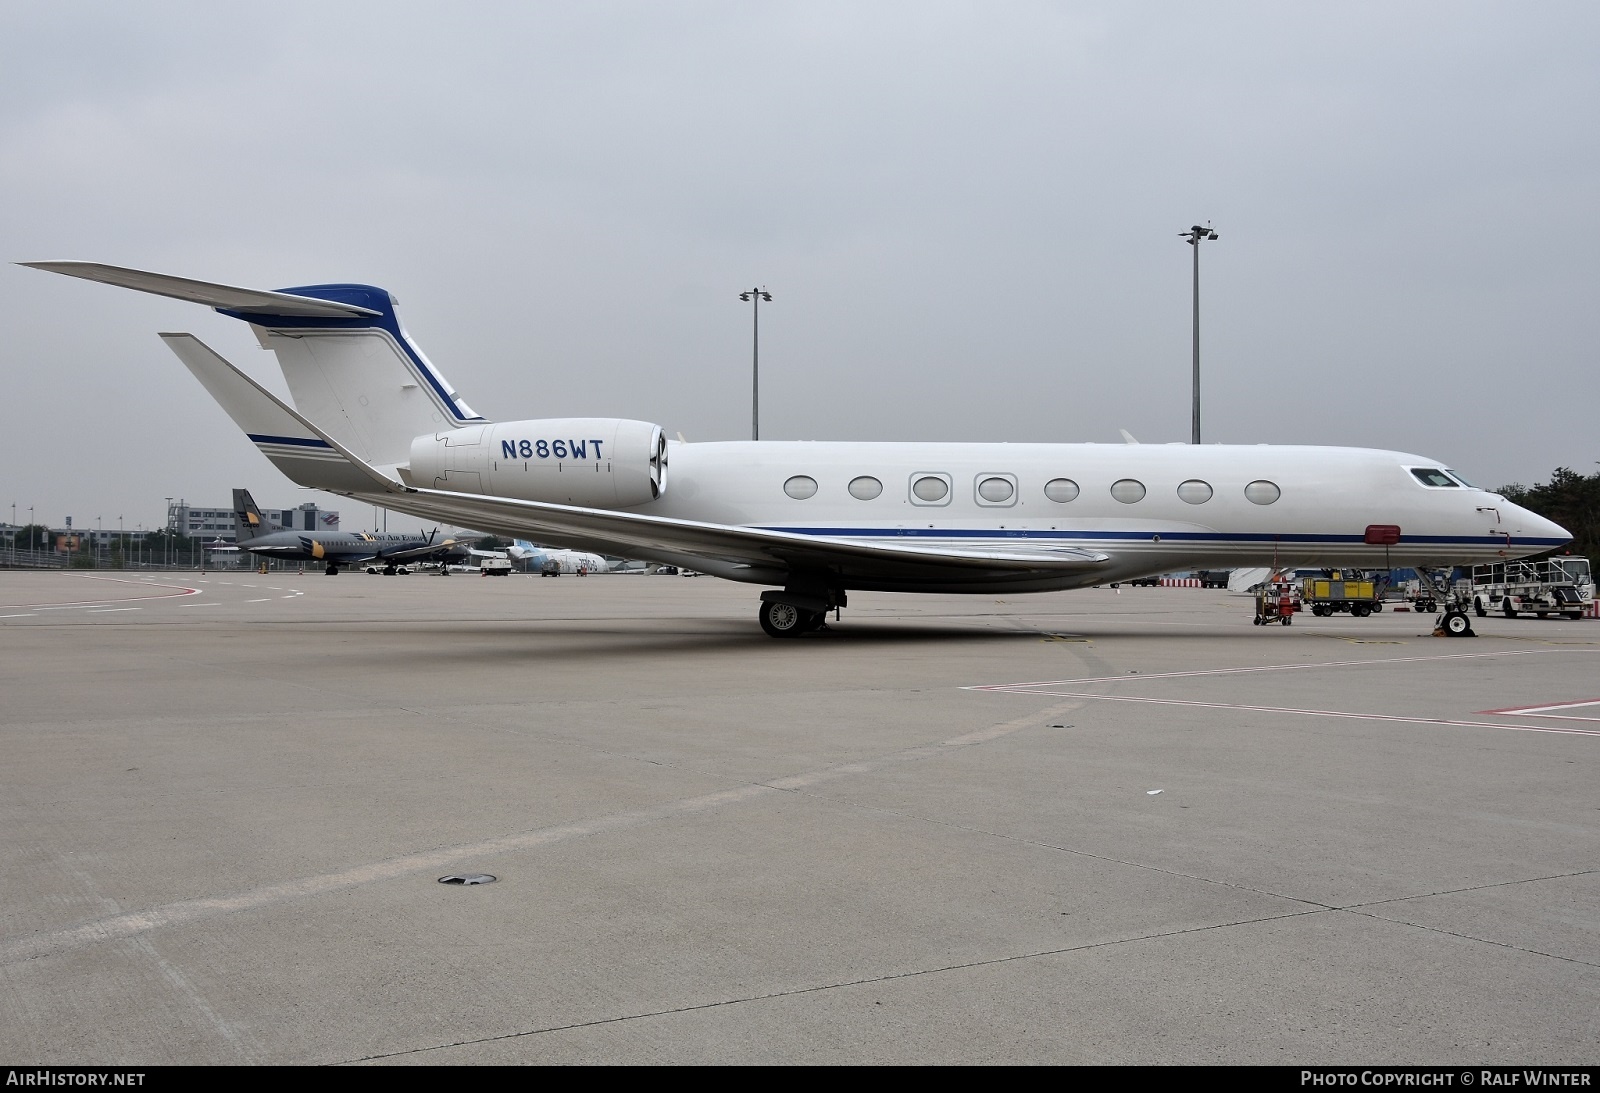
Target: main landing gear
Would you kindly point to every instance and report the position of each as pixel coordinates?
(332, 570)
(788, 614)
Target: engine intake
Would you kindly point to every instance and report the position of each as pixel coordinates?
(595, 462)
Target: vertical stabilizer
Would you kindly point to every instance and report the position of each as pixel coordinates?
(361, 379)
(248, 520)
(353, 371)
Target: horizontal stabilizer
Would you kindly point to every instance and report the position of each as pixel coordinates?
(248, 301)
(296, 447)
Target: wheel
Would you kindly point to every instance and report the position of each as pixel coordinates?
(783, 620)
(1505, 605)
(1479, 610)
(331, 571)
(1457, 625)
(388, 571)
(1361, 610)
(1287, 619)
(1377, 606)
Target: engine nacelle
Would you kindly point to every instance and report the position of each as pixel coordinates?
(595, 462)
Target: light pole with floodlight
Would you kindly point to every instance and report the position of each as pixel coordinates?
(1193, 237)
(755, 296)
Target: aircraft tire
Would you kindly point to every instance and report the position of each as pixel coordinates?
(1457, 625)
(331, 571)
(783, 620)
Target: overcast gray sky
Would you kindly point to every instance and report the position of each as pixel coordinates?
(967, 213)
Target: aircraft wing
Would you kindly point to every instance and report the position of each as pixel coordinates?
(637, 535)
(315, 459)
(443, 546)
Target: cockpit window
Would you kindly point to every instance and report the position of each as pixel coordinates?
(1457, 476)
(1432, 476)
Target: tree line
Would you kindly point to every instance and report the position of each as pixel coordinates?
(1571, 500)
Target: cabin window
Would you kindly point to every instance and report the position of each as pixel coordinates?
(800, 487)
(1061, 490)
(1195, 491)
(930, 489)
(1128, 490)
(1262, 492)
(995, 490)
(1432, 476)
(865, 488)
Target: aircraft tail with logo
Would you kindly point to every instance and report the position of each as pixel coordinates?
(351, 367)
(248, 520)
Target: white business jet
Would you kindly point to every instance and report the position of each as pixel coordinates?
(374, 420)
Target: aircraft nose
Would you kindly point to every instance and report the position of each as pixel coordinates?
(1522, 523)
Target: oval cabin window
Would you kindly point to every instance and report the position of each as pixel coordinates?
(994, 490)
(1061, 489)
(1127, 490)
(865, 488)
(930, 488)
(800, 487)
(1195, 491)
(1262, 492)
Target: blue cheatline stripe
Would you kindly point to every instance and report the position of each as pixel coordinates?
(297, 441)
(368, 296)
(1166, 536)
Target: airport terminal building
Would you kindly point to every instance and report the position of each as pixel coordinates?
(217, 523)
(211, 525)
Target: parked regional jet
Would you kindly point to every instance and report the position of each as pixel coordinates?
(373, 420)
(333, 549)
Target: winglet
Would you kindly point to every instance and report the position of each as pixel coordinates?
(247, 301)
(296, 447)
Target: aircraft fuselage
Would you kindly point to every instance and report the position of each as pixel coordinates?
(1153, 507)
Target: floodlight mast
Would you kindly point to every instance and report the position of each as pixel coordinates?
(755, 296)
(1193, 237)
